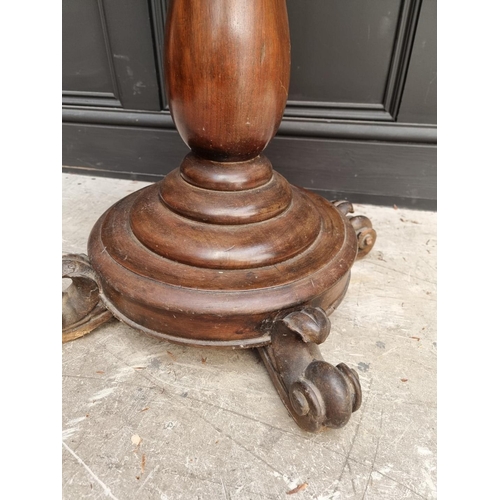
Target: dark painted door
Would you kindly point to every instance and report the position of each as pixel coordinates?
(360, 120)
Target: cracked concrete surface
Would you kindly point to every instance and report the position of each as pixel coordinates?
(210, 422)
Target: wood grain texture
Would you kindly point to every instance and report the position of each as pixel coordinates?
(227, 70)
(226, 176)
(223, 246)
(166, 287)
(122, 246)
(226, 207)
(215, 251)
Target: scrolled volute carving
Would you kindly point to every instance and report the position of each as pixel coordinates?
(82, 309)
(311, 323)
(315, 393)
(365, 233)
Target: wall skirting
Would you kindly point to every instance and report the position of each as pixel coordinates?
(383, 163)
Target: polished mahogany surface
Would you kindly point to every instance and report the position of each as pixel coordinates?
(227, 71)
(184, 281)
(224, 251)
(219, 247)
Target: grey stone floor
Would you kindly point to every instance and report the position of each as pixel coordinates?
(209, 422)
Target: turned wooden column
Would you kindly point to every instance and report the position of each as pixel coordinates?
(227, 71)
(224, 252)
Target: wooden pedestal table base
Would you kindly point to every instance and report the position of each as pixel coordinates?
(316, 393)
(224, 252)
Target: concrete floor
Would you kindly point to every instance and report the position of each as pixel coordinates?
(144, 419)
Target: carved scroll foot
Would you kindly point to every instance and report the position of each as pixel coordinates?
(362, 225)
(82, 309)
(316, 394)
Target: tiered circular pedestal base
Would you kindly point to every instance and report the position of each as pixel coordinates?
(214, 267)
(223, 251)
